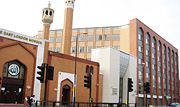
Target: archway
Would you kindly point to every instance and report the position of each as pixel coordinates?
(66, 91)
(12, 82)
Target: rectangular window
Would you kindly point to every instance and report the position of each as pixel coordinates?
(139, 61)
(105, 37)
(58, 39)
(107, 30)
(152, 44)
(82, 38)
(115, 37)
(58, 49)
(139, 37)
(140, 43)
(73, 49)
(52, 32)
(147, 46)
(90, 29)
(147, 64)
(59, 32)
(98, 37)
(90, 38)
(89, 49)
(81, 49)
(147, 75)
(147, 41)
(52, 49)
(139, 48)
(51, 39)
(73, 38)
(82, 30)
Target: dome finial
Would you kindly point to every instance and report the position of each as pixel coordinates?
(49, 5)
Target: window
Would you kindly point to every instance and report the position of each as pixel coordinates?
(51, 39)
(139, 61)
(90, 29)
(140, 49)
(81, 49)
(98, 37)
(58, 49)
(82, 30)
(90, 38)
(147, 52)
(14, 69)
(140, 34)
(114, 37)
(89, 49)
(73, 49)
(58, 39)
(105, 37)
(51, 49)
(139, 37)
(82, 38)
(73, 38)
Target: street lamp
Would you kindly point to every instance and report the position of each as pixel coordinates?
(75, 62)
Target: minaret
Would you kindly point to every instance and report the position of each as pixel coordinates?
(47, 19)
(67, 29)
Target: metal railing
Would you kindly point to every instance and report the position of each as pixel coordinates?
(80, 104)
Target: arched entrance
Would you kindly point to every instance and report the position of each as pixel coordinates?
(12, 82)
(66, 91)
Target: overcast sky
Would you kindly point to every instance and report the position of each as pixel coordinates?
(162, 16)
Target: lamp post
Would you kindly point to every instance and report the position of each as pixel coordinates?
(75, 66)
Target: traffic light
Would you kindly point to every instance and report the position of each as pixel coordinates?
(147, 87)
(130, 85)
(49, 72)
(41, 72)
(87, 81)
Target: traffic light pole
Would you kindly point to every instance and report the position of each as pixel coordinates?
(127, 98)
(45, 89)
(90, 100)
(146, 100)
(45, 85)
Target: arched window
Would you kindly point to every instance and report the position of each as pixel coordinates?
(140, 60)
(177, 76)
(147, 57)
(154, 65)
(50, 13)
(46, 12)
(159, 58)
(169, 70)
(14, 69)
(164, 67)
(173, 71)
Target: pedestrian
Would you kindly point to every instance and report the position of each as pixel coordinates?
(33, 101)
(30, 100)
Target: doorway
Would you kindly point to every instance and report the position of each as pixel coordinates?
(11, 93)
(66, 94)
(12, 88)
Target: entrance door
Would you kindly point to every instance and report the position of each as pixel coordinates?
(66, 94)
(11, 94)
(11, 90)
